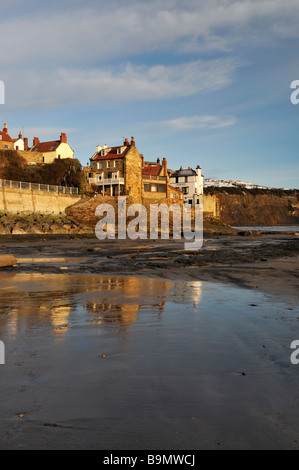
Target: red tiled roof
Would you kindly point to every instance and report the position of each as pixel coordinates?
(111, 154)
(46, 146)
(152, 170)
(5, 137)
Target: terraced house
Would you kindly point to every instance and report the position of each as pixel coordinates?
(40, 152)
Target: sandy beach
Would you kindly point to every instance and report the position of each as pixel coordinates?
(145, 346)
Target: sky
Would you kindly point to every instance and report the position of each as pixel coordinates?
(200, 82)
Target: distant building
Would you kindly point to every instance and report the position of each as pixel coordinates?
(40, 152)
(6, 142)
(49, 151)
(190, 182)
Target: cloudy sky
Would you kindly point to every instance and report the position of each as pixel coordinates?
(196, 81)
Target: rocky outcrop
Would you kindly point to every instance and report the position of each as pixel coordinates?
(267, 207)
(12, 224)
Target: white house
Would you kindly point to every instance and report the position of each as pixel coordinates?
(19, 143)
(190, 182)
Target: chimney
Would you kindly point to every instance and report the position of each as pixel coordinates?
(164, 164)
(25, 143)
(142, 160)
(158, 160)
(35, 141)
(126, 142)
(20, 135)
(181, 169)
(133, 141)
(5, 130)
(63, 138)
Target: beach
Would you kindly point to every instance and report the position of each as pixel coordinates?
(116, 346)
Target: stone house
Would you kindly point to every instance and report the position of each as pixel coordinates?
(117, 170)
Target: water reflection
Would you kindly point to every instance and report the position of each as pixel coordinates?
(35, 300)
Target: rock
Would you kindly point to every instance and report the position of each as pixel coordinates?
(7, 260)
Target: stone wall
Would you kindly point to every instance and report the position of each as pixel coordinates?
(24, 201)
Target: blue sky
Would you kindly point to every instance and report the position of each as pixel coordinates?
(196, 81)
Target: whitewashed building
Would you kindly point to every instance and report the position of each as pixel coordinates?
(190, 182)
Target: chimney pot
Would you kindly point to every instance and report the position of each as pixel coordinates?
(133, 141)
(5, 129)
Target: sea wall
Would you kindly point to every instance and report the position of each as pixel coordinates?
(20, 201)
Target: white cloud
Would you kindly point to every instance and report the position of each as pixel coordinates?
(132, 83)
(97, 33)
(200, 122)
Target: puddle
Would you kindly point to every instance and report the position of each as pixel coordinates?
(147, 363)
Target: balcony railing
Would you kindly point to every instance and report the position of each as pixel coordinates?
(108, 182)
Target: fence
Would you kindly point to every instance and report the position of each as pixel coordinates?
(37, 187)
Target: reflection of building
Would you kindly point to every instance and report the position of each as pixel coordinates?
(132, 295)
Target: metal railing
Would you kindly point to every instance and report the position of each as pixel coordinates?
(37, 187)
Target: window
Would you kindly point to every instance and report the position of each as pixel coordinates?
(100, 165)
(115, 164)
(147, 187)
(118, 151)
(186, 179)
(154, 188)
(53, 147)
(185, 190)
(109, 176)
(108, 164)
(37, 149)
(161, 188)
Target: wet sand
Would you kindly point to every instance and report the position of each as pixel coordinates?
(129, 347)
